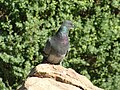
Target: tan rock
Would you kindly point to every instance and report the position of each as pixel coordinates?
(56, 77)
(35, 83)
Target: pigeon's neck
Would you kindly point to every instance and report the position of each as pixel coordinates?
(63, 31)
(62, 35)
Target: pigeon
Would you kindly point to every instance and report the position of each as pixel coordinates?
(57, 46)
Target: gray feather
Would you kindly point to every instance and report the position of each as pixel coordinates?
(57, 46)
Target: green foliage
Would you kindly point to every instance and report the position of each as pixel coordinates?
(25, 26)
(2, 85)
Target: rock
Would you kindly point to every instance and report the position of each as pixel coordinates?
(56, 77)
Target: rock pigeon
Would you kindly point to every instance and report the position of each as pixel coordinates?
(57, 46)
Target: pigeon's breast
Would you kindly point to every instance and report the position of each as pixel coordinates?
(53, 58)
(64, 41)
(60, 46)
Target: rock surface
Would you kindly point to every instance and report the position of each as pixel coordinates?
(56, 77)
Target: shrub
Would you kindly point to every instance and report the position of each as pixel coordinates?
(25, 26)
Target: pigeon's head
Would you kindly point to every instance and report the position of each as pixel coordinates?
(68, 24)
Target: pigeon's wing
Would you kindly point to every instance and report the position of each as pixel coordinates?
(47, 48)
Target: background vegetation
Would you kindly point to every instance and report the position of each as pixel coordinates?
(95, 42)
